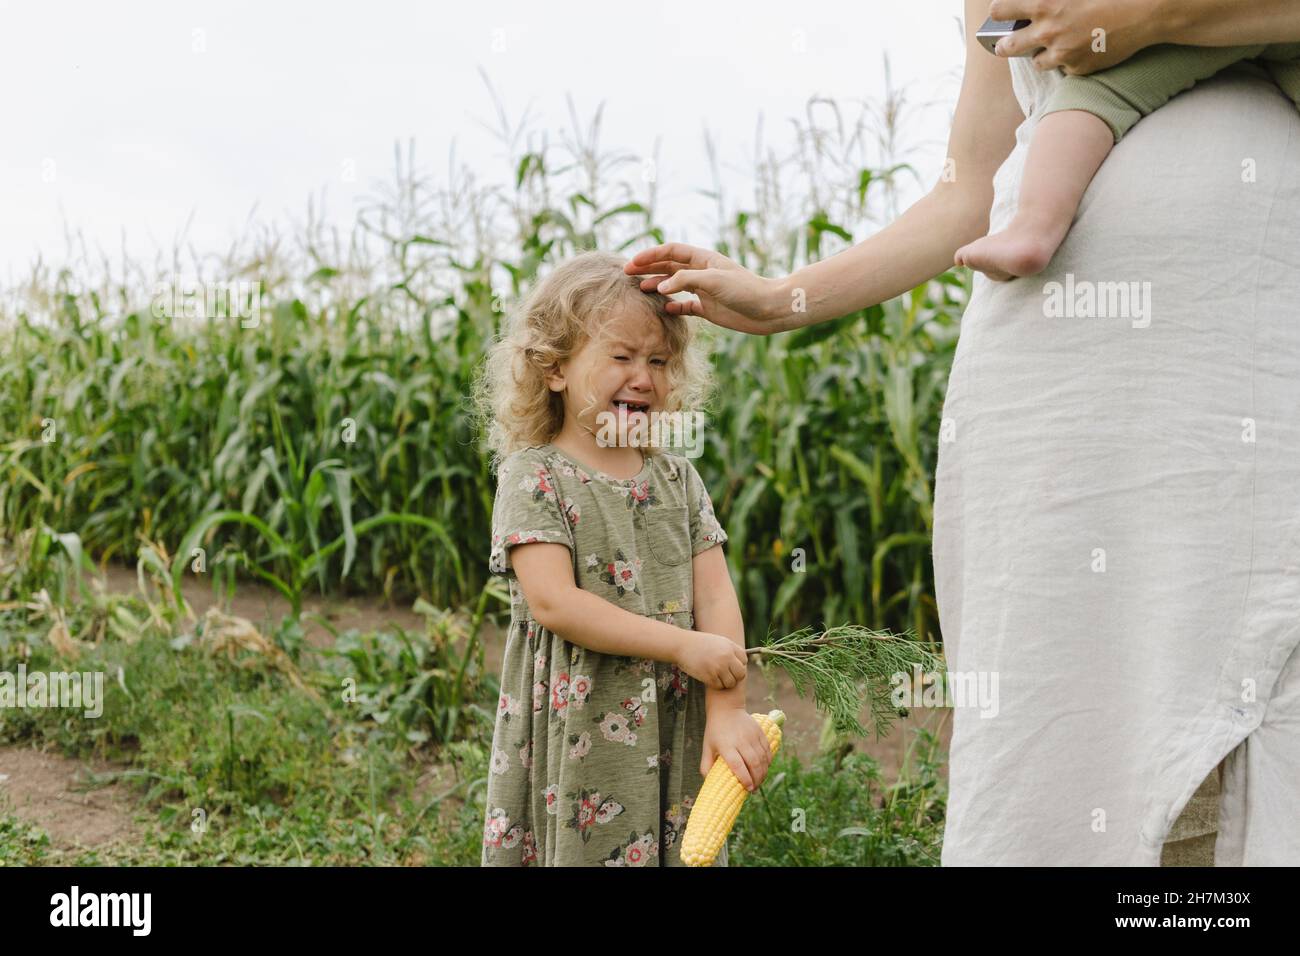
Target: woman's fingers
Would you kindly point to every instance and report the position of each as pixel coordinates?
(661, 268)
(686, 307)
(688, 280)
(679, 252)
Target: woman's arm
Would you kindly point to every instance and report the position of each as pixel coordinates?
(1226, 22)
(917, 246)
(1063, 29)
(920, 244)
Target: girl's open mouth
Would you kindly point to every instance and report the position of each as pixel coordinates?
(631, 407)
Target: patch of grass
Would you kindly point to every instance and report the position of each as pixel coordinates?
(240, 766)
(21, 843)
(839, 812)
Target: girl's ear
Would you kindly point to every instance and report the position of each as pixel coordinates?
(554, 375)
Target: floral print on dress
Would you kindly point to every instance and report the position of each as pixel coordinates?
(560, 694)
(528, 849)
(706, 531)
(568, 470)
(622, 573)
(675, 820)
(571, 511)
(500, 762)
(579, 745)
(538, 484)
(636, 709)
(656, 762)
(500, 833)
(639, 665)
(508, 707)
(638, 496)
(642, 850)
(497, 563)
(617, 728)
(591, 809)
(711, 532)
(579, 690)
(674, 688)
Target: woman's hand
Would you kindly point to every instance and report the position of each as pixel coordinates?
(1062, 30)
(733, 735)
(728, 295)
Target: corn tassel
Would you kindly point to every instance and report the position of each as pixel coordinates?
(720, 800)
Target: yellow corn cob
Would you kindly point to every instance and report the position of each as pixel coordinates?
(720, 800)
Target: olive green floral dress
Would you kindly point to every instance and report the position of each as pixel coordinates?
(595, 757)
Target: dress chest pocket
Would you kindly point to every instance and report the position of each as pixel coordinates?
(669, 532)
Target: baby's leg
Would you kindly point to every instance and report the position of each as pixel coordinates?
(1066, 151)
(1124, 93)
(1056, 177)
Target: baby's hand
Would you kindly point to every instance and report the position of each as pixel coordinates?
(736, 737)
(716, 660)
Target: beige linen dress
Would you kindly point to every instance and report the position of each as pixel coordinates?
(1117, 501)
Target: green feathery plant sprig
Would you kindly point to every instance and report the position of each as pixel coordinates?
(848, 667)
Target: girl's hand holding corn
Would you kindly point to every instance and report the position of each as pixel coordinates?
(732, 734)
(712, 659)
(723, 794)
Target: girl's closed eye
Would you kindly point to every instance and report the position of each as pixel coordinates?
(656, 361)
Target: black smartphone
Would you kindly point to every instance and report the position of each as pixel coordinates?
(995, 30)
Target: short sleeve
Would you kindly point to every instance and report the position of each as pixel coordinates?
(527, 509)
(705, 529)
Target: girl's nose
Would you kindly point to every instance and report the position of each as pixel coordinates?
(642, 380)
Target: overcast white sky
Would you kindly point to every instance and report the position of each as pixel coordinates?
(123, 119)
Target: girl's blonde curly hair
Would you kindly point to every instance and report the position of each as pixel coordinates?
(562, 313)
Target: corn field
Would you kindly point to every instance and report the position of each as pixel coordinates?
(330, 446)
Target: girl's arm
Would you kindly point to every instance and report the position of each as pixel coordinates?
(546, 575)
(917, 246)
(729, 731)
(717, 611)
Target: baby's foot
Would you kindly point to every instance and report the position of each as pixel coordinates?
(1018, 250)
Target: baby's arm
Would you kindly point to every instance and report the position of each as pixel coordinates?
(1123, 94)
(545, 573)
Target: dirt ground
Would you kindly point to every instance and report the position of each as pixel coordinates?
(50, 790)
(54, 792)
